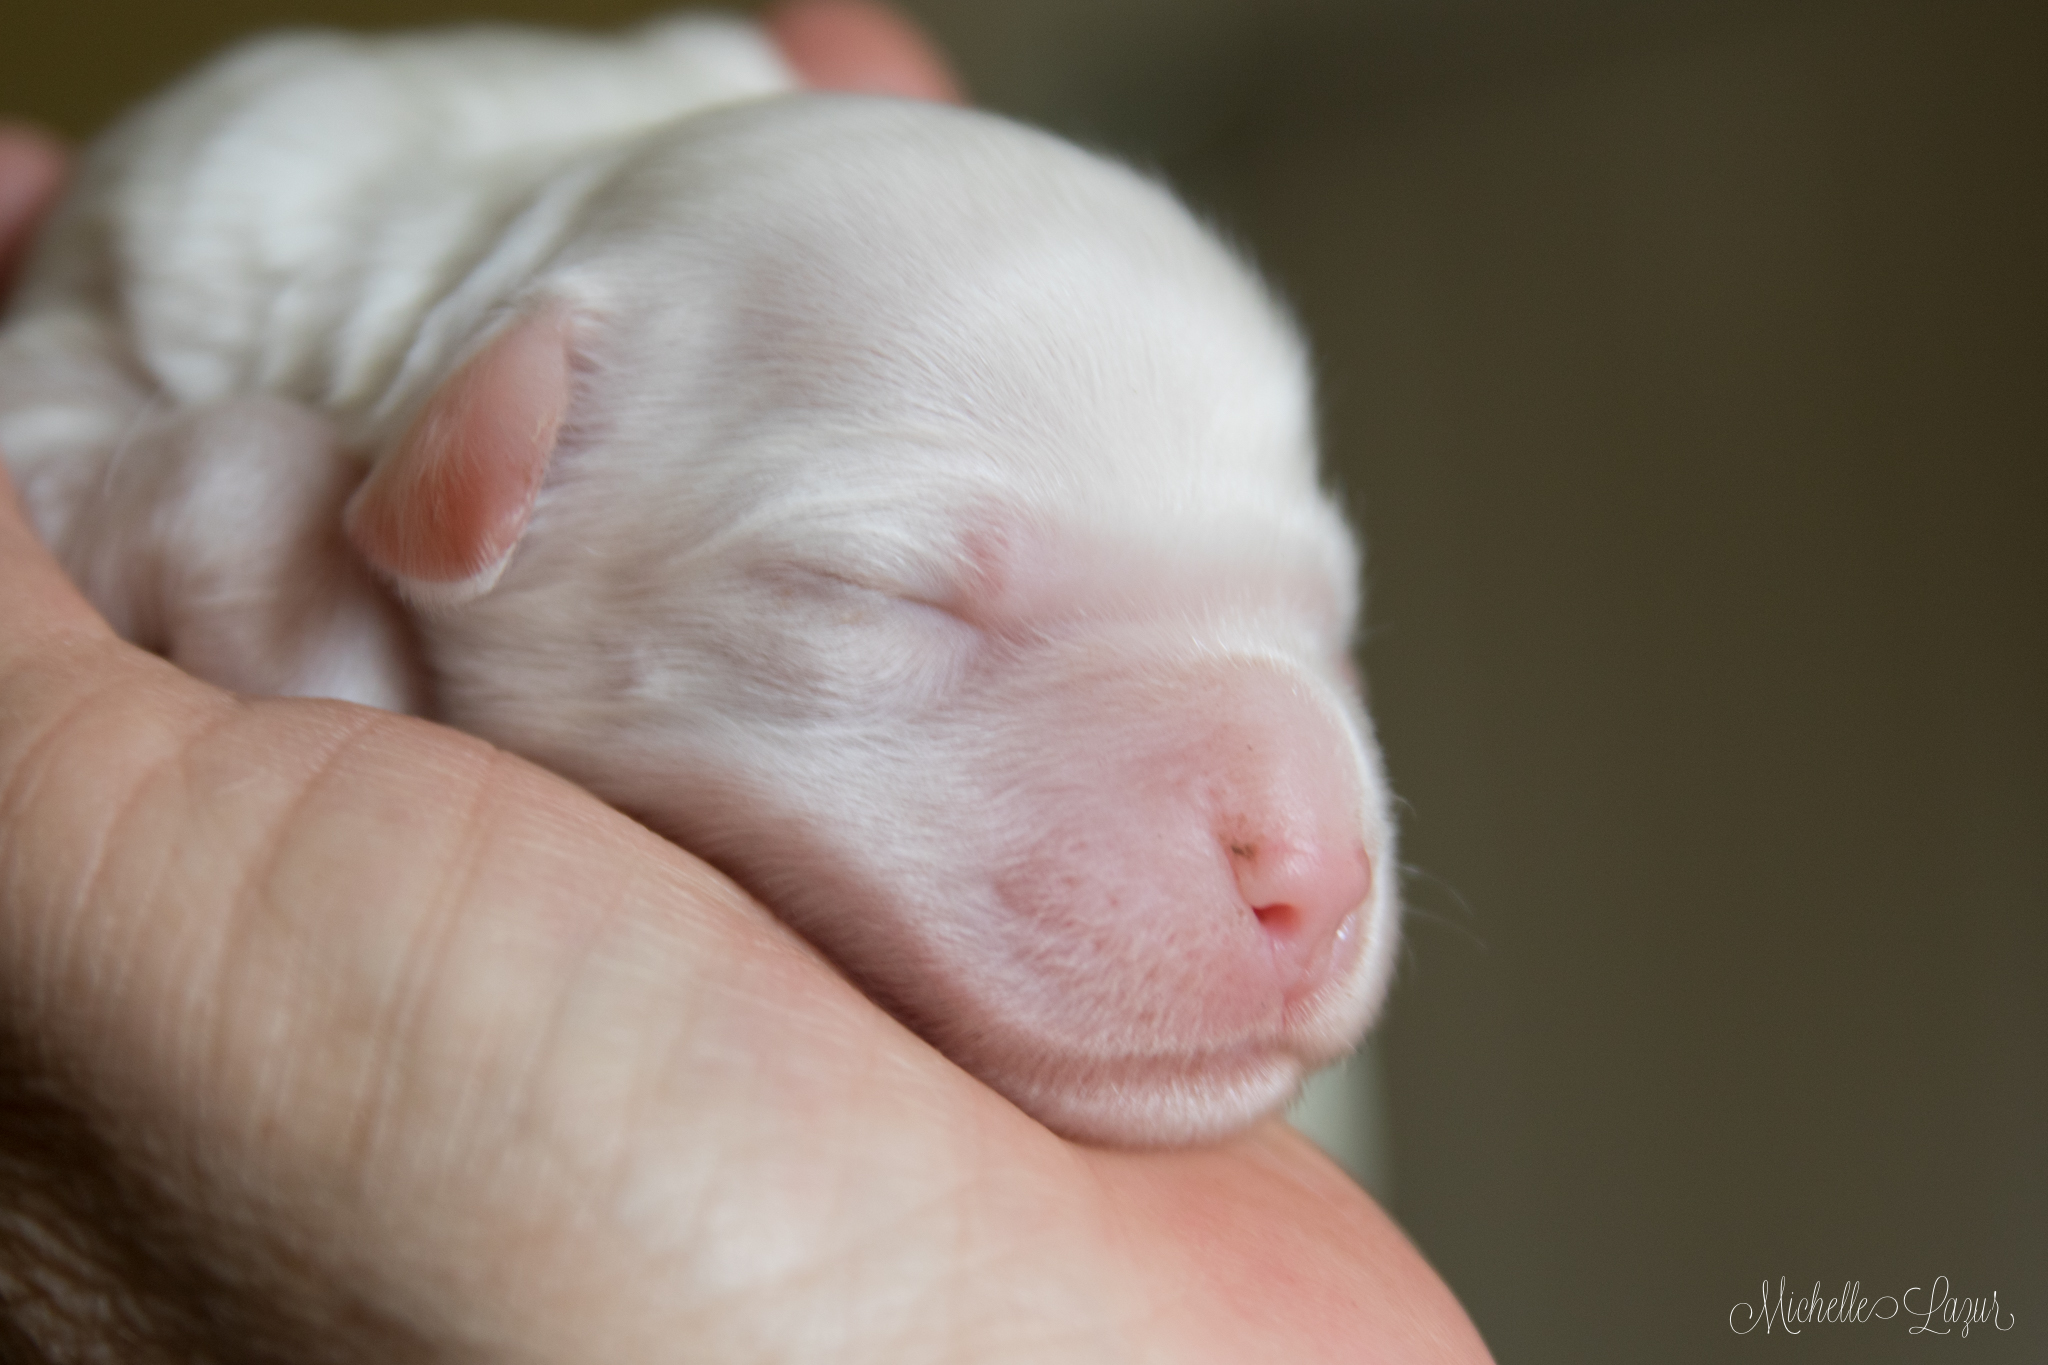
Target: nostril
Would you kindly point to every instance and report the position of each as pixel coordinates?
(1280, 919)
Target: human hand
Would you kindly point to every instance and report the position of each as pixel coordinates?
(327, 1034)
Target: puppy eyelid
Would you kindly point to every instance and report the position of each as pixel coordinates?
(948, 604)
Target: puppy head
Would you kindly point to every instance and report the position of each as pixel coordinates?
(927, 532)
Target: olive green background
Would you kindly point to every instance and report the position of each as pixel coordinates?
(1686, 366)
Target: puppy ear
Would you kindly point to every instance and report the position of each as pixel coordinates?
(440, 515)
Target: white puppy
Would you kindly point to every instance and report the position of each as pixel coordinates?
(910, 513)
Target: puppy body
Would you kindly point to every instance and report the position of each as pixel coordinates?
(908, 512)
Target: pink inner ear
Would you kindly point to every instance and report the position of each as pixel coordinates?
(452, 500)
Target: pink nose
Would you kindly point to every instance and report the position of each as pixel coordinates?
(1302, 895)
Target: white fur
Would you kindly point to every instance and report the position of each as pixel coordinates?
(934, 540)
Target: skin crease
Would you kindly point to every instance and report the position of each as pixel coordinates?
(328, 1034)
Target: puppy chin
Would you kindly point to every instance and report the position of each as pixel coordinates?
(1171, 1101)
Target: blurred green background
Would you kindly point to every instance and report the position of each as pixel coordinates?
(1686, 366)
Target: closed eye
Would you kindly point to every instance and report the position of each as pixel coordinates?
(832, 580)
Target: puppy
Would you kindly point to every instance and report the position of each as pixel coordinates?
(908, 512)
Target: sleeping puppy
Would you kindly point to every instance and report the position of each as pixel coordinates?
(908, 512)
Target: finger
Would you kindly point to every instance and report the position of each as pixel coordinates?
(31, 172)
(861, 46)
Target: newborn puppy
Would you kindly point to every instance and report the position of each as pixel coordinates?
(908, 512)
